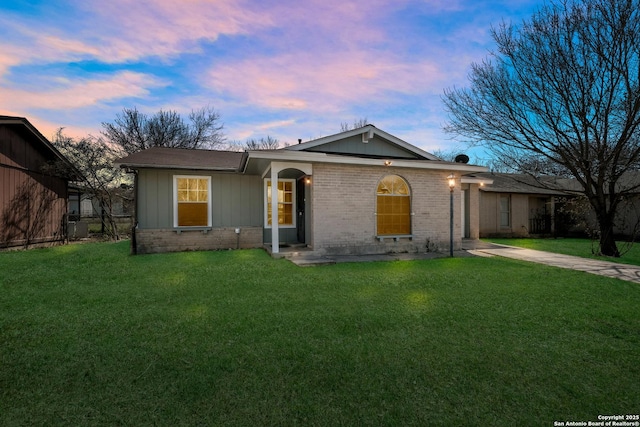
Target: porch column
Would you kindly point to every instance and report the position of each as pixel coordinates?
(275, 237)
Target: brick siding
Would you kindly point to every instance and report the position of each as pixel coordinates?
(344, 204)
(169, 240)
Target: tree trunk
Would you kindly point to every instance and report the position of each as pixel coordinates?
(608, 245)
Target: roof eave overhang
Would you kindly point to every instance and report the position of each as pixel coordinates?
(72, 171)
(306, 156)
(168, 166)
(476, 180)
(541, 192)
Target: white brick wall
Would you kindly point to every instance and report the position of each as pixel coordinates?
(344, 203)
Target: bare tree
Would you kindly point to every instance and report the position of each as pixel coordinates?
(345, 126)
(94, 158)
(134, 131)
(562, 89)
(456, 155)
(267, 143)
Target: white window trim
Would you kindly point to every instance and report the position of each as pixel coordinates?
(175, 200)
(294, 201)
(381, 237)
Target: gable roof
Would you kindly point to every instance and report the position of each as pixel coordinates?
(42, 143)
(183, 158)
(367, 141)
(257, 162)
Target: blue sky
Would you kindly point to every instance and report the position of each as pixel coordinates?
(288, 68)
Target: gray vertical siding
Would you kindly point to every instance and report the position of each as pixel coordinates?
(236, 199)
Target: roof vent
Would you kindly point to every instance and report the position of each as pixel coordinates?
(462, 158)
(368, 135)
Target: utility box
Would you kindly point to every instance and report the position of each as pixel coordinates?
(77, 230)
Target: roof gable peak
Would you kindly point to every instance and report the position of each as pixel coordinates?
(356, 142)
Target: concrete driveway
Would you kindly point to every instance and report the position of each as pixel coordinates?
(626, 272)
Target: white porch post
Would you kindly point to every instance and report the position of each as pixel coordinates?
(275, 242)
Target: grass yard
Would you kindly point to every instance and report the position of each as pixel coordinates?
(579, 247)
(92, 336)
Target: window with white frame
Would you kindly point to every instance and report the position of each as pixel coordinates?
(192, 201)
(286, 203)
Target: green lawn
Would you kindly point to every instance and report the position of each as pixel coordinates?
(579, 247)
(92, 336)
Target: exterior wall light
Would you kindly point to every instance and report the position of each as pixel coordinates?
(452, 182)
(387, 162)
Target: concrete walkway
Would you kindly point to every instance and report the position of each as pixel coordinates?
(308, 259)
(626, 272)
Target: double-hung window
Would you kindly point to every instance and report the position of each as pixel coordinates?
(286, 202)
(192, 201)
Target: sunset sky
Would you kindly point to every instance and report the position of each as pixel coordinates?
(285, 68)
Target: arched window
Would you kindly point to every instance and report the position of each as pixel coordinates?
(393, 206)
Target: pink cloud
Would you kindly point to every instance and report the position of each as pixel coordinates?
(260, 130)
(125, 30)
(48, 128)
(35, 46)
(133, 29)
(70, 94)
(326, 82)
(53, 46)
(7, 60)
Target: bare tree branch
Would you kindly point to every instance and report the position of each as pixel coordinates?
(133, 131)
(562, 89)
(94, 158)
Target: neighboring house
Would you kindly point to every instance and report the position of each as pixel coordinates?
(515, 206)
(627, 223)
(33, 186)
(362, 191)
(84, 204)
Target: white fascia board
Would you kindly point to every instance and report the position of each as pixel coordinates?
(476, 180)
(370, 130)
(328, 139)
(306, 156)
(181, 167)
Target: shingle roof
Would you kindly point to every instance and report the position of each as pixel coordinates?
(526, 184)
(70, 172)
(181, 158)
(629, 182)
